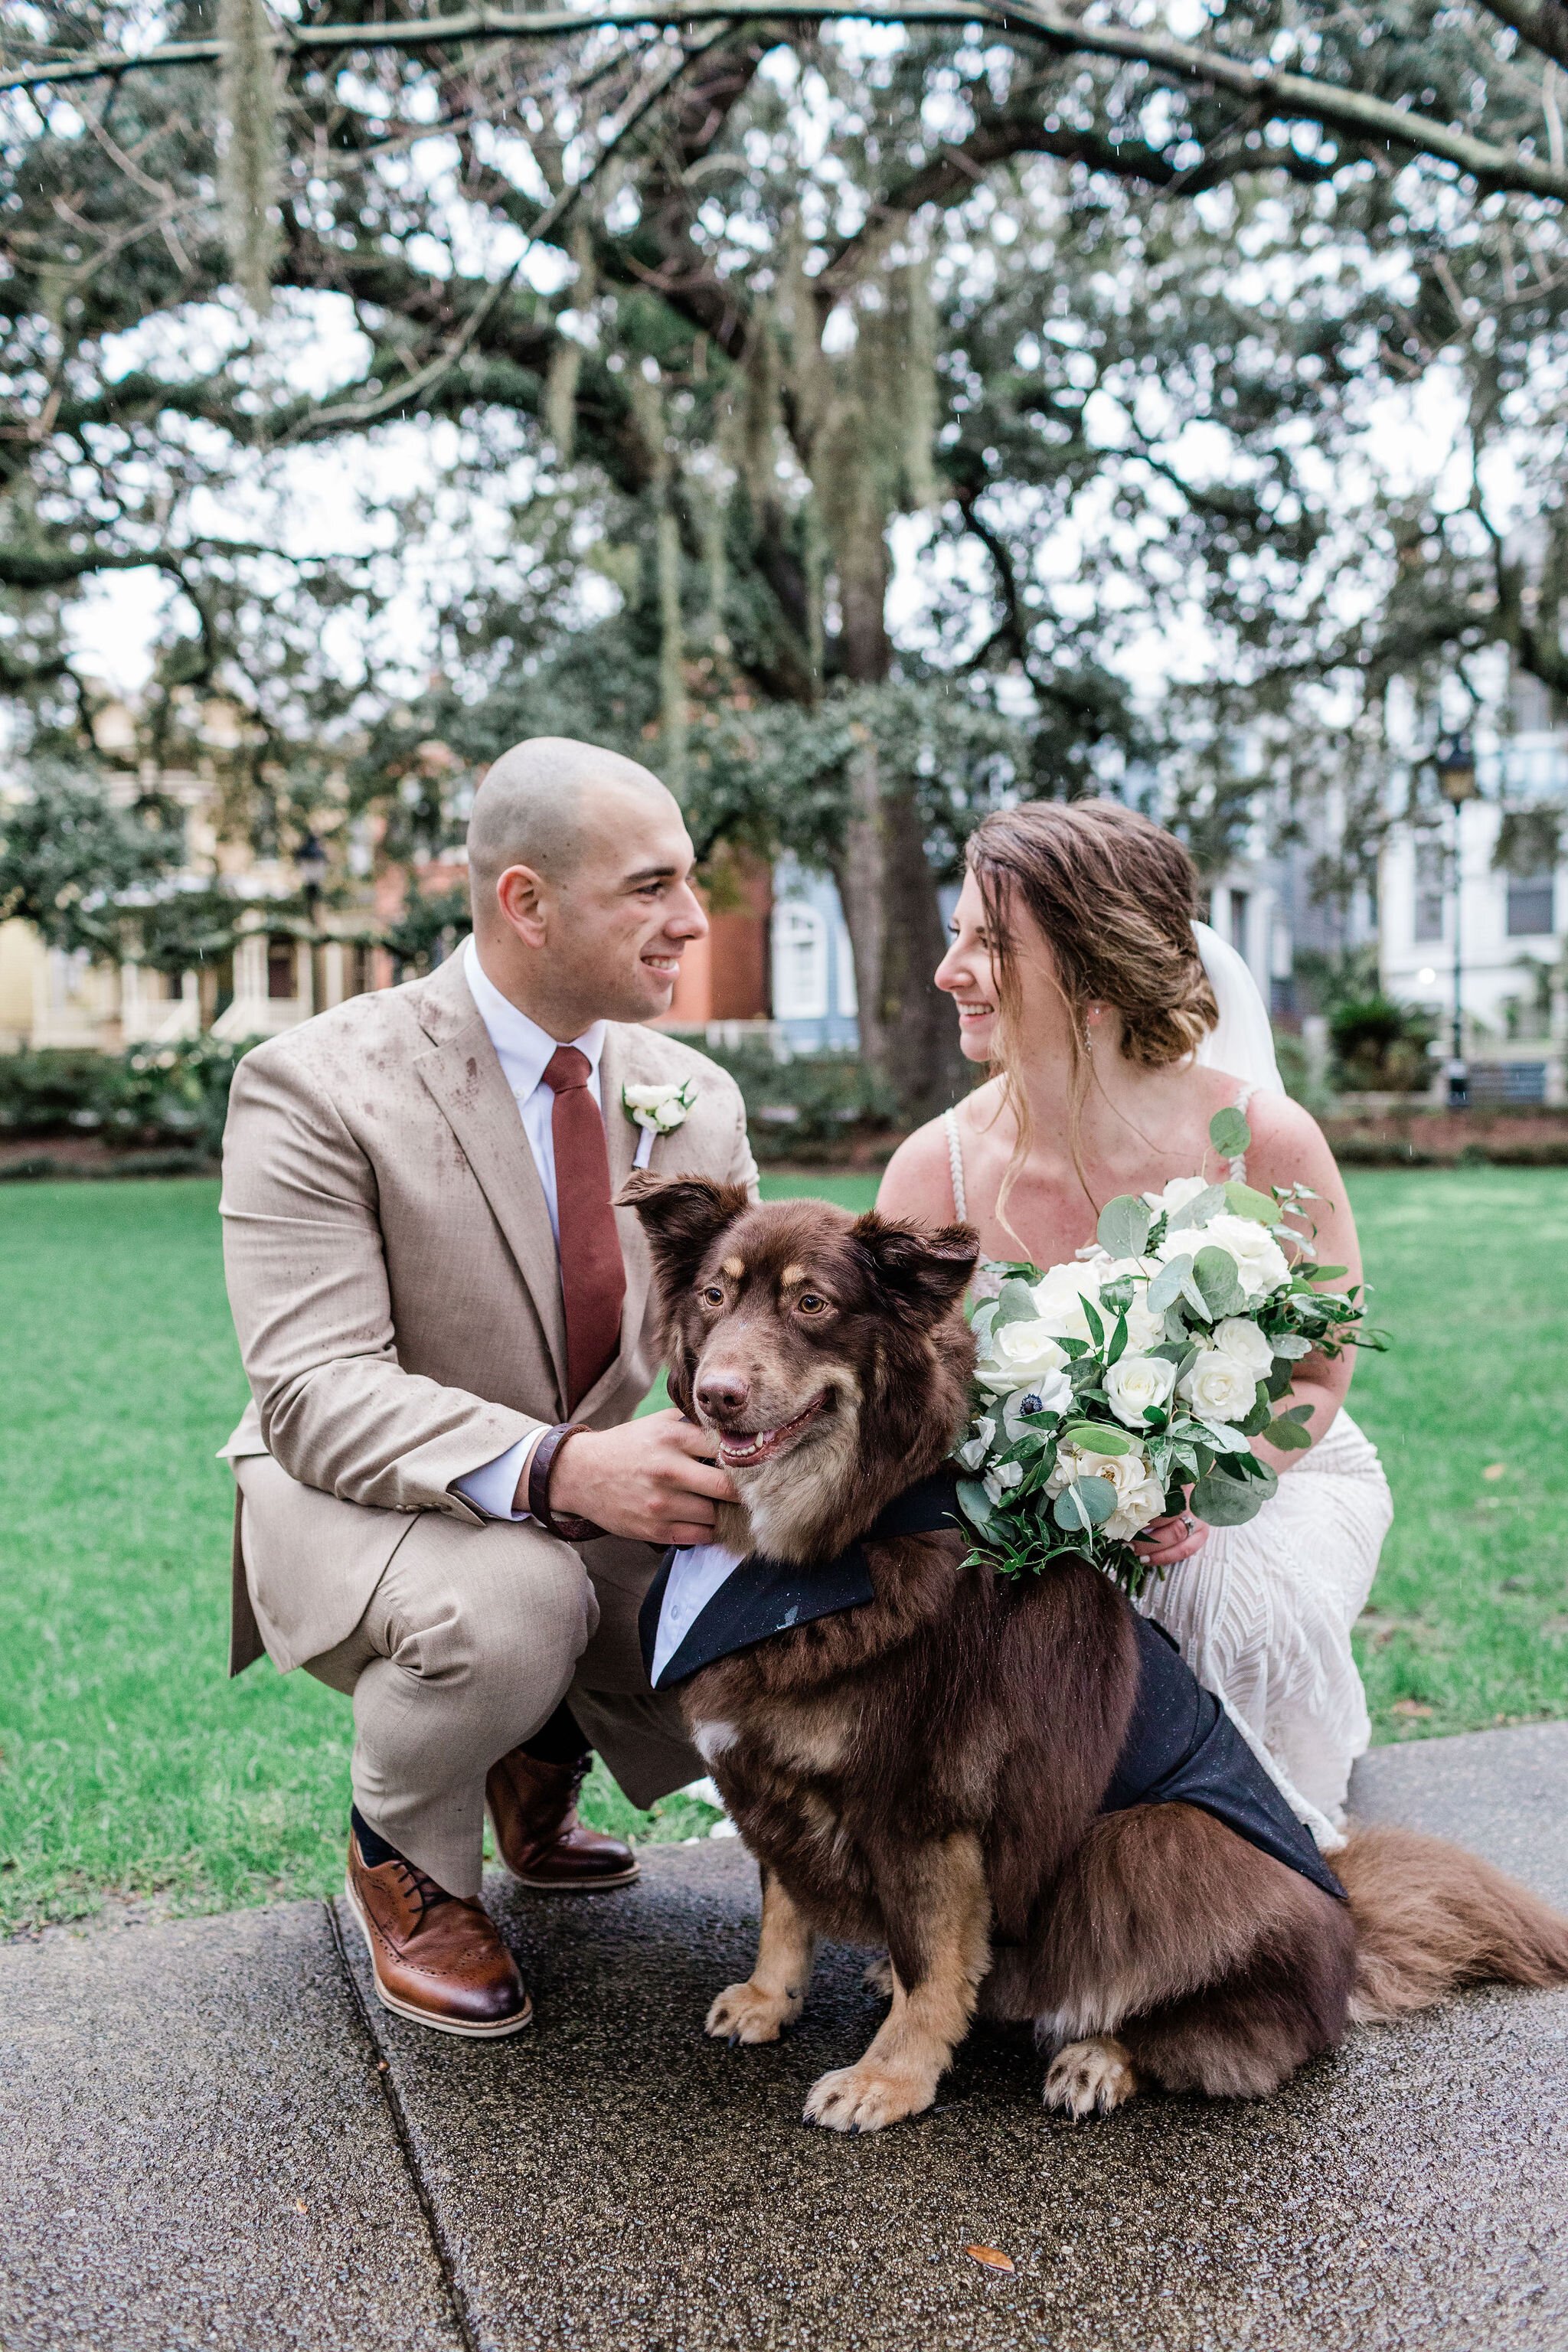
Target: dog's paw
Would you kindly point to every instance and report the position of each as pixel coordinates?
(867, 2098)
(745, 2012)
(878, 1977)
(1092, 2076)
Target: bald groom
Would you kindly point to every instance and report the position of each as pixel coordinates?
(445, 1509)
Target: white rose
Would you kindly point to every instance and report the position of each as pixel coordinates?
(974, 1450)
(1141, 1500)
(1006, 1474)
(1061, 1293)
(1137, 1385)
(1018, 1356)
(1144, 1331)
(660, 1109)
(1259, 1260)
(1219, 1388)
(1139, 1497)
(1237, 1336)
(1177, 1193)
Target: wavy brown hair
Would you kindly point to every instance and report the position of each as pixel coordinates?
(1113, 895)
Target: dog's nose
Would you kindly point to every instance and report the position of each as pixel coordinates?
(723, 1394)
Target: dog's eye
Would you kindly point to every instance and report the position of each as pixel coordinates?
(712, 1295)
(810, 1302)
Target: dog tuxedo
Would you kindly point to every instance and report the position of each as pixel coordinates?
(1181, 1746)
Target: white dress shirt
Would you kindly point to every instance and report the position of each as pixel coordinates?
(523, 1050)
(696, 1574)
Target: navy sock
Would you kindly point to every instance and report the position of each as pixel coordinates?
(559, 1741)
(374, 1847)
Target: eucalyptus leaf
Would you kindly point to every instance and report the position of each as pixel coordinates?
(1291, 1345)
(1197, 1211)
(1229, 1133)
(1015, 1304)
(975, 1503)
(1243, 1201)
(1225, 1502)
(1196, 1301)
(1096, 1499)
(1289, 1435)
(1091, 1437)
(1213, 1271)
(1067, 1511)
(1166, 1287)
(1123, 1227)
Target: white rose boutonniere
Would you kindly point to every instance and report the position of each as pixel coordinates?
(657, 1110)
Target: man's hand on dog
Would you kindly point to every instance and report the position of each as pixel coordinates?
(652, 1479)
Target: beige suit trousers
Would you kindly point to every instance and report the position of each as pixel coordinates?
(472, 1636)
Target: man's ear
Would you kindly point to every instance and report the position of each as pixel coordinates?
(682, 1216)
(919, 1269)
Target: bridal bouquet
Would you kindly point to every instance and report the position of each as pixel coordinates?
(1106, 1387)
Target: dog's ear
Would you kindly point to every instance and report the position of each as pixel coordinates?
(920, 1269)
(682, 1216)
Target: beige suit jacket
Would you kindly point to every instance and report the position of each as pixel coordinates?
(394, 1281)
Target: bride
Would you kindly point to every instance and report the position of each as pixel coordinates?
(1115, 1027)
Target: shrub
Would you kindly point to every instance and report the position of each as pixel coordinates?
(49, 1093)
(1379, 1045)
(815, 1099)
(153, 1096)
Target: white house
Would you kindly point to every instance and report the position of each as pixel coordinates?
(1448, 913)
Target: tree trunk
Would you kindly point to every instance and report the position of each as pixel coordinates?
(908, 1037)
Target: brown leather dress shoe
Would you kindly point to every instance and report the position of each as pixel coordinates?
(436, 1958)
(534, 1808)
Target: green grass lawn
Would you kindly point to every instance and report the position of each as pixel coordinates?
(128, 1762)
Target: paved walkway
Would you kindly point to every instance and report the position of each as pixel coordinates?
(210, 2136)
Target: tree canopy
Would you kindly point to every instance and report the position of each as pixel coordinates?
(860, 422)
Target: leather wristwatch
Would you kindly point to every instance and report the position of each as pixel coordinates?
(564, 1524)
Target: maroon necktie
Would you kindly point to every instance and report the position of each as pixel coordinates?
(592, 1275)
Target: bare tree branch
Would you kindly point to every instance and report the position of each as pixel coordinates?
(1286, 96)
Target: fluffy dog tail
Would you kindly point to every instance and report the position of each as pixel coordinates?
(1430, 1917)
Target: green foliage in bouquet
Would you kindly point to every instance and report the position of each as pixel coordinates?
(1107, 1389)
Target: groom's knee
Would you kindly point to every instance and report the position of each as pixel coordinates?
(497, 1616)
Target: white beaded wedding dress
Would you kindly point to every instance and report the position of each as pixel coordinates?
(1263, 1612)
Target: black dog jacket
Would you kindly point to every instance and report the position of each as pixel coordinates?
(1180, 1746)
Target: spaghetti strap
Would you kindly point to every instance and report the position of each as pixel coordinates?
(1238, 1165)
(955, 1165)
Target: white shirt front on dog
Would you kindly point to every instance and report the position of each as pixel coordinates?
(696, 1574)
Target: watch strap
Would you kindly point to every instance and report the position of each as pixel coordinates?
(569, 1528)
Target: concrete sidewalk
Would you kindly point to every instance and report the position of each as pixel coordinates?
(211, 2135)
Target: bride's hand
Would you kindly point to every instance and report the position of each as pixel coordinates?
(1165, 1542)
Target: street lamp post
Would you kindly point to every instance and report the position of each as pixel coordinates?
(310, 864)
(1456, 765)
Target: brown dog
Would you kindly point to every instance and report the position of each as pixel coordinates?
(928, 1763)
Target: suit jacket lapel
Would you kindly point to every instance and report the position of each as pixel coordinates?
(464, 1076)
(761, 1597)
